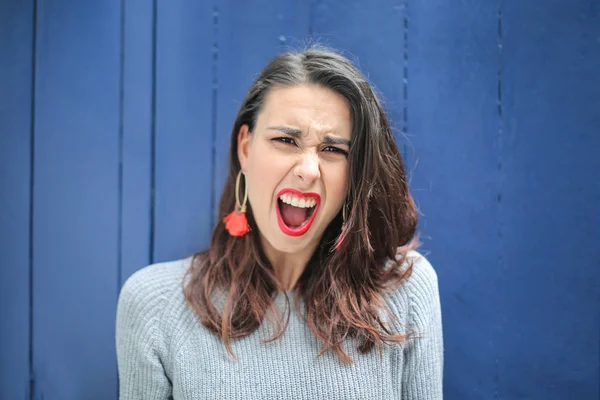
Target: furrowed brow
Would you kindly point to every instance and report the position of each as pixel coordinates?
(296, 133)
(336, 140)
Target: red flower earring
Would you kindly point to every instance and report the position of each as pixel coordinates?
(236, 222)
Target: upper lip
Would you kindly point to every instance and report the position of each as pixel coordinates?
(300, 194)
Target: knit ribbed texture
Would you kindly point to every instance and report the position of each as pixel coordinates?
(163, 351)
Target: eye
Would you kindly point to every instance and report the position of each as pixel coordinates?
(333, 149)
(286, 140)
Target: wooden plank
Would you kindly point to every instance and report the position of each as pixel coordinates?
(551, 161)
(453, 123)
(137, 119)
(245, 45)
(16, 64)
(76, 202)
(183, 139)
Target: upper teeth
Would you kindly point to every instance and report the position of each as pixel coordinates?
(302, 202)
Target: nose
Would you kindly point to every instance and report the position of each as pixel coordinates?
(307, 169)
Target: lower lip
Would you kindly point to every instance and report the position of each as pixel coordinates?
(302, 229)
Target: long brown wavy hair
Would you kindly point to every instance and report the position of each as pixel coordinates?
(341, 290)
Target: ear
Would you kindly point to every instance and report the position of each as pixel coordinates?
(243, 145)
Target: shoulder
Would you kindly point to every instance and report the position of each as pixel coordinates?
(423, 280)
(144, 311)
(145, 293)
(154, 282)
(416, 299)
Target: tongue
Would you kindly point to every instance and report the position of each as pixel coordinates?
(292, 216)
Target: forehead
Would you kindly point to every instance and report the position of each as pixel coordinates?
(311, 108)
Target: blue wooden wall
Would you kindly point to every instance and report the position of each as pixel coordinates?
(114, 124)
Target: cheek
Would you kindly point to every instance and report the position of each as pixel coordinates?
(262, 174)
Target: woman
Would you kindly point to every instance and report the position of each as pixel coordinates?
(311, 287)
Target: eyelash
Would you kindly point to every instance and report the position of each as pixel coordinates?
(291, 141)
(286, 140)
(336, 150)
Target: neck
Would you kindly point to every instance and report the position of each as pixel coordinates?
(288, 267)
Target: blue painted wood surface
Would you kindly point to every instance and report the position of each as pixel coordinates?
(115, 119)
(453, 122)
(182, 127)
(136, 129)
(16, 69)
(76, 198)
(550, 210)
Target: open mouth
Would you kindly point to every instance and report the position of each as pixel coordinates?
(296, 211)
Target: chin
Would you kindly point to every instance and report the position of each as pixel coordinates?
(289, 245)
(283, 243)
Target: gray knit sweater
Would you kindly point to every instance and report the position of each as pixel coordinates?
(163, 351)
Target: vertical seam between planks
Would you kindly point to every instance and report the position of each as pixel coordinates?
(153, 133)
(500, 261)
(405, 75)
(120, 178)
(311, 7)
(405, 84)
(214, 94)
(31, 386)
(121, 143)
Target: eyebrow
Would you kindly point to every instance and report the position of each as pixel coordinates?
(297, 134)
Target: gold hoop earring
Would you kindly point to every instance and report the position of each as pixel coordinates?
(240, 207)
(236, 222)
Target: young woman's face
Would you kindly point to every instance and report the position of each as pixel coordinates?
(296, 164)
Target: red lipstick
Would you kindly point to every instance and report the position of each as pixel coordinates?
(302, 229)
